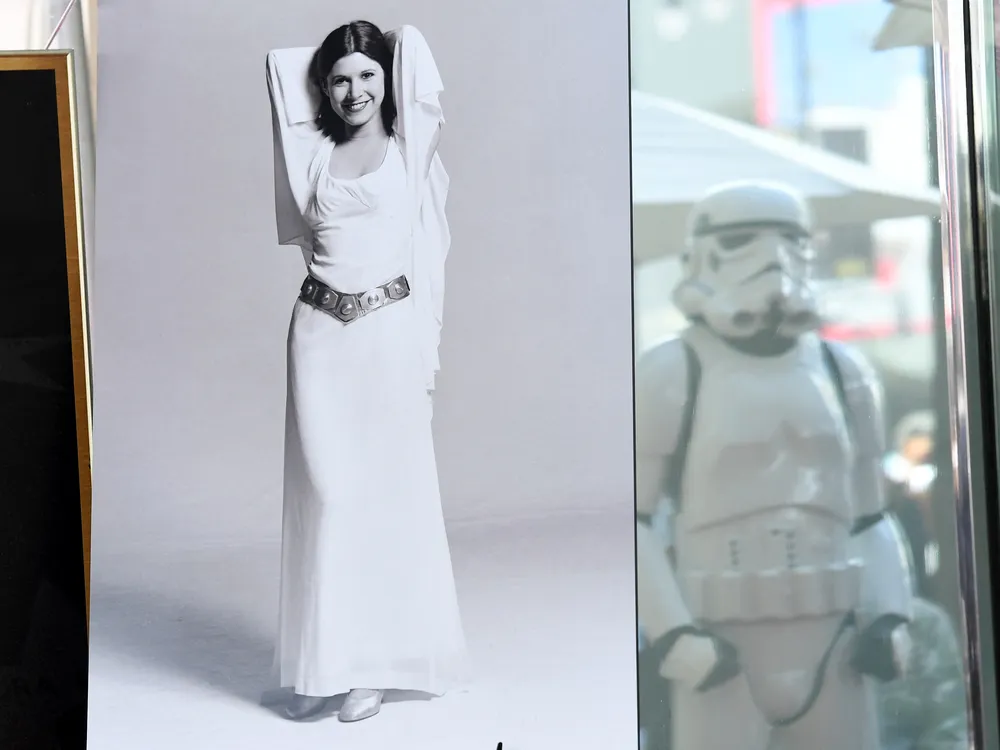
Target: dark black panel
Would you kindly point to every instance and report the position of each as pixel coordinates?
(43, 638)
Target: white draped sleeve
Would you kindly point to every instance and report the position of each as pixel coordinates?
(294, 104)
(297, 138)
(417, 87)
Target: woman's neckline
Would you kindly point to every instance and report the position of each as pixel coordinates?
(385, 158)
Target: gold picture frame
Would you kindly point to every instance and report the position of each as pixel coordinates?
(64, 131)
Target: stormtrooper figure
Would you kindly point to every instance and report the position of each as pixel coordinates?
(771, 589)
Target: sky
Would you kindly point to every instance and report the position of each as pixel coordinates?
(845, 71)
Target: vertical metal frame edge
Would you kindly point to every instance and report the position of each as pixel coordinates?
(962, 115)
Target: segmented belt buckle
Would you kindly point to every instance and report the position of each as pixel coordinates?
(350, 307)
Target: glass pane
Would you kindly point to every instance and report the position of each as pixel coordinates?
(44, 461)
(797, 517)
(979, 155)
(61, 25)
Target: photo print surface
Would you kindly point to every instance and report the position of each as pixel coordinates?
(363, 377)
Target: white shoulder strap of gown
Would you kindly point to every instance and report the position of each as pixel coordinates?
(294, 105)
(417, 87)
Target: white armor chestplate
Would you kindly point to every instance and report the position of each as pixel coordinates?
(767, 507)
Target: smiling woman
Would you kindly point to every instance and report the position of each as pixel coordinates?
(353, 68)
(368, 216)
(304, 478)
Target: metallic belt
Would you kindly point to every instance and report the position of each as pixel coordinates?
(350, 307)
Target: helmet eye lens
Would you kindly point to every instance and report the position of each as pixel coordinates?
(735, 240)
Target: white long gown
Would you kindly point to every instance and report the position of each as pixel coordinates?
(368, 598)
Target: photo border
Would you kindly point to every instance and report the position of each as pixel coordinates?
(60, 62)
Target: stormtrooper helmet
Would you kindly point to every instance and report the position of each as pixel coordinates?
(748, 262)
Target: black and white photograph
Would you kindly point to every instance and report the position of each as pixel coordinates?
(363, 351)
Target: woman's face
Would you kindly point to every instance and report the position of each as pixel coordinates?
(356, 88)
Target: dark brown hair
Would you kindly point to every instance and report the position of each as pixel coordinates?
(357, 36)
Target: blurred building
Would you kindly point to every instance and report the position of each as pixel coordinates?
(807, 68)
(696, 51)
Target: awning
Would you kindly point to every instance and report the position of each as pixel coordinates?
(679, 153)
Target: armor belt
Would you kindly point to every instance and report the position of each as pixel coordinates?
(348, 307)
(786, 594)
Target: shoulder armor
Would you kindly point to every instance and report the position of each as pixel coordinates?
(661, 376)
(863, 392)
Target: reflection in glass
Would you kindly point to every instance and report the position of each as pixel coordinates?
(796, 555)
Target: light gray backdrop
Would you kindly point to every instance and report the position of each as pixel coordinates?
(193, 296)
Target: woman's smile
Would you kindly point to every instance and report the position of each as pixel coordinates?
(356, 107)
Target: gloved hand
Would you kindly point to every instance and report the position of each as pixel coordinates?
(695, 658)
(883, 649)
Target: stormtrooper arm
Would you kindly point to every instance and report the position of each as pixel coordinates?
(661, 606)
(885, 608)
(886, 588)
(659, 395)
(678, 649)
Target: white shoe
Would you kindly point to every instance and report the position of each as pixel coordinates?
(360, 704)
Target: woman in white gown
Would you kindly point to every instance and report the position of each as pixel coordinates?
(368, 599)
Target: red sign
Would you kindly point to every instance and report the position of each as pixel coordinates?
(763, 16)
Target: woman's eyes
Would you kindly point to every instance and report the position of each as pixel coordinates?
(341, 81)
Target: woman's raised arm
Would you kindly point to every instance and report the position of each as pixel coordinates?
(417, 87)
(296, 138)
